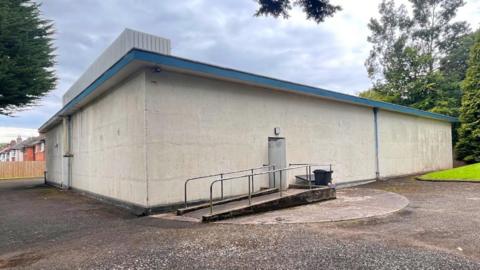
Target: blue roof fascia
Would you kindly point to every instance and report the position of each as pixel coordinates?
(221, 72)
(216, 71)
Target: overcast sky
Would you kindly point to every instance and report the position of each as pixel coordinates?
(223, 32)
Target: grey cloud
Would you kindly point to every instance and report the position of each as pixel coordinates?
(214, 31)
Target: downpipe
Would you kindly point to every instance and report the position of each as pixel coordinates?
(68, 150)
(377, 161)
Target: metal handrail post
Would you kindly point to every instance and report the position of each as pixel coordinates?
(211, 199)
(186, 182)
(253, 186)
(221, 185)
(307, 175)
(281, 183)
(310, 177)
(274, 182)
(249, 192)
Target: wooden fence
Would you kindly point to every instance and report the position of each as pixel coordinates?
(21, 169)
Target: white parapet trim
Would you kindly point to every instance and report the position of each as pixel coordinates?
(127, 40)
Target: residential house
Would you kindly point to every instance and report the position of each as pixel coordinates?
(34, 149)
(31, 149)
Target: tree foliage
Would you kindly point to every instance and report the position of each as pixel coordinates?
(412, 51)
(468, 145)
(26, 55)
(316, 10)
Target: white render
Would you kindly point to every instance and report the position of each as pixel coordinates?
(108, 139)
(54, 151)
(198, 126)
(19, 155)
(127, 40)
(150, 128)
(410, 145)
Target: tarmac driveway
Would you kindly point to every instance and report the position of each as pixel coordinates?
(43, 227)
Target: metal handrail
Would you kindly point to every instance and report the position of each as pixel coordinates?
(313, 165)
(221, 177)
(250, 178)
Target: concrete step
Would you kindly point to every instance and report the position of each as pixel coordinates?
(263, 191)
(268, 202)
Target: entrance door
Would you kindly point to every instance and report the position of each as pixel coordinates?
(277, 156)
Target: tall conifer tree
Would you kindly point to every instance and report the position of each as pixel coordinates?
(26, 55)
(468, 146)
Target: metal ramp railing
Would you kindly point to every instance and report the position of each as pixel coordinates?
(221, 175)
(250, 178)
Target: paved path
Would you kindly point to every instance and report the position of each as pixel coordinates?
(351, 203)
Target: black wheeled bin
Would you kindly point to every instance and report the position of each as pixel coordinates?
(322, 177)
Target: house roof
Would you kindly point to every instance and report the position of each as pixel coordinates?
(5, 149)
(136, 59)
(27, 143)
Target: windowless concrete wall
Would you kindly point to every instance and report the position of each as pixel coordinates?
(409, 144)
(198, 126)
(54, 154)
(141, 140)
(108, 140)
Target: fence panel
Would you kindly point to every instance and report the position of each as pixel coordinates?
(21, 169)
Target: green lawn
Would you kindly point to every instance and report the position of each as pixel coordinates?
(465, 173)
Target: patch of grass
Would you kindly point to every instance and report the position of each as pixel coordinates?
(464, 173)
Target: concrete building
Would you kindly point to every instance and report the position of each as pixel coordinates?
(140, 121)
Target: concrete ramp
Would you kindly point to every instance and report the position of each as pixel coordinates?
(263, 203)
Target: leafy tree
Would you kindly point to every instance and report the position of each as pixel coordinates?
(453, 68)
(434, 33)
(26, 55)
(317, 10)
(389, 38)
(468, 145)
(454, 65)
(406, 58)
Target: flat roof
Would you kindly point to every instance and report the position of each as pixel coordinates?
(145, 58)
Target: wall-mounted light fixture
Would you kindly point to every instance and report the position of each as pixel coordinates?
(276, 131)
(156, 69)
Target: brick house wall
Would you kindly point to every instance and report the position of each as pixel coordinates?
(28, 154)
(39, 154)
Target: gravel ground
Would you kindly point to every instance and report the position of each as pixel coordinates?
(46, 228)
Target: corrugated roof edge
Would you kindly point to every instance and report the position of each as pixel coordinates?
(232, 74)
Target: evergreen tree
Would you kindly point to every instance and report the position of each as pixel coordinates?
(468, 146)
(26, 55)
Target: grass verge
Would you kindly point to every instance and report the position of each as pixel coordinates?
(470, 173)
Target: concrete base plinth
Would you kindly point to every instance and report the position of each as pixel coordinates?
(350, 204)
